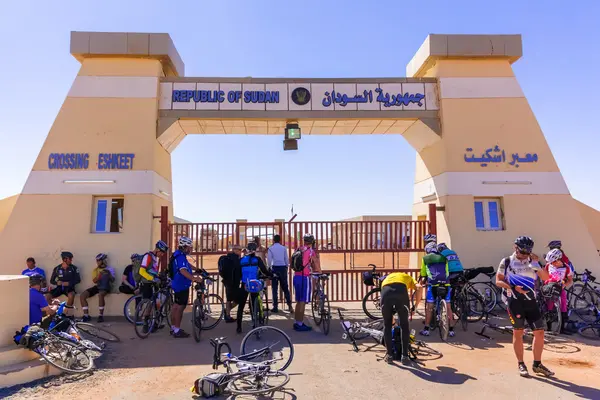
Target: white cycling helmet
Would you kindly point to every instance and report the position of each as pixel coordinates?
(185, 241)
(430, 238)
(554, 255)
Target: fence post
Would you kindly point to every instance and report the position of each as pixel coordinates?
(164, 233)
(432, 219)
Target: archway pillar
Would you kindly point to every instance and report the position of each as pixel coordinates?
(492, 173)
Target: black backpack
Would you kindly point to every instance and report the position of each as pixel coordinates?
(225, 268)
(297, 264)
(171, 267)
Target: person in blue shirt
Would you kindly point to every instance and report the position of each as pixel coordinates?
(32, 269)
(454, 264)
(38, 306)
(182, 280)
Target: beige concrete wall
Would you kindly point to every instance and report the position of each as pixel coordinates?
(591, 217)
(14, 296)
(6, 207)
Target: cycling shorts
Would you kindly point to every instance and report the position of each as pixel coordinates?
(182, 297)
(431, 292)
(521, 310)
(147, 290)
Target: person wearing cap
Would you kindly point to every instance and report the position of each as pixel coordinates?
(64, 278)
(103, 276)
(230, 271)
(38, 305)
(32, 270)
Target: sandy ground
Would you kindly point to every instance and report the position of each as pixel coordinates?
(325, 367)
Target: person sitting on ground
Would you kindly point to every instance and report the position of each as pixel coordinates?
(231, 275)
(253, 268)
(434, 271)
(454, 264)
(32, 270)
(278, 261)
(128, 284)
(557, 244)
(64, 276)
(395, 300)
(182, 280)
(39, 310)
(103, 276)
(560, 273)
(303, 281)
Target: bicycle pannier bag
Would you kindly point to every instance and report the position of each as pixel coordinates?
(210, 385)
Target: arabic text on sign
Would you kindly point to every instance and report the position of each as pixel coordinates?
(219, 96)
(387, 99)
(495, 155)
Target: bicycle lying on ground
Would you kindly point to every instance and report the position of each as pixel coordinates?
(208, 308)
(321, 309)
(252, 375)
(356, 331)
(150, 313)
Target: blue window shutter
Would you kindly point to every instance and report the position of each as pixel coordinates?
(493, 210)
(101, 216)
(479, 224)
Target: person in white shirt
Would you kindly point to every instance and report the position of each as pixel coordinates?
(278, 261)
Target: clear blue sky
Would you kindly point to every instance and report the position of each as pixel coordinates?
(220, 178)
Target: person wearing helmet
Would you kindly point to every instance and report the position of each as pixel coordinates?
(434, 273)
(128, 284)
(557, 244)
(64, 278)
(253, 268)
(148, 273)
(182, 280)
(561, 274)
(103, 276)
(454, 264)
(303, 282)
(517, 275)
(430, 238)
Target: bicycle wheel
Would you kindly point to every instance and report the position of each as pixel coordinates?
(371, 304)
(96, 331)
(214, 311)
(463, 312)
(325, 312)
(421, 309)
(65, 355)
(257, 382)
(165, 311)
(145, 318)
(443, 322)
(277, 341)
(316, 306)
(197, 319)
(486, 291)
(582, 305)
(475, 307)
(129, 307)
(591, 331)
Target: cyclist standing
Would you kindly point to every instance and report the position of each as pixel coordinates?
(395, 299)
(182, 280)
(302, 281)
(252, 268)
(561, 274)
(434, 270)
(517, 275)
(148, 273)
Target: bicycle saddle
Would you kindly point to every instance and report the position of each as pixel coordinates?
(217, 341)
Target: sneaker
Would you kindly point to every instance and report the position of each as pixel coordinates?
(405, 360)
(86, 318)
(523, 370)
(389, 359)
(275, 310)
(424, 332)
(181, 334)
(302, 328)
(542, 370)
(451, 333)
(229, 320)
(100, 319)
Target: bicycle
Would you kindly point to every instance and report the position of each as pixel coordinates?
(549, 338)
(150, 313)
(258, 311)
(373, 296)
(63, 354)
(550, 294)
(466, 303)
(130, 306)
(440, 318)
(203, 317)
(374, 329)
(251, 377)
(321, 309)
(590, 331)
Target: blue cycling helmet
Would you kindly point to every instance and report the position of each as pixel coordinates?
(135, 256)
(162, 246)
(101, 257)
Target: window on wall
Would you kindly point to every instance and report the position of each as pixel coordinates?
(108, 215)
(488, 214)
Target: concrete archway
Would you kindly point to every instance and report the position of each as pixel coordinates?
(480, 150)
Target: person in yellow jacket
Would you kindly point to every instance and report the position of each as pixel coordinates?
(395, 299)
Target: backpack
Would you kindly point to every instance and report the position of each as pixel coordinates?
(225, 269)
(297, 263)
(135, 270)
(249, 268)
(210, 385)
(171, 267)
